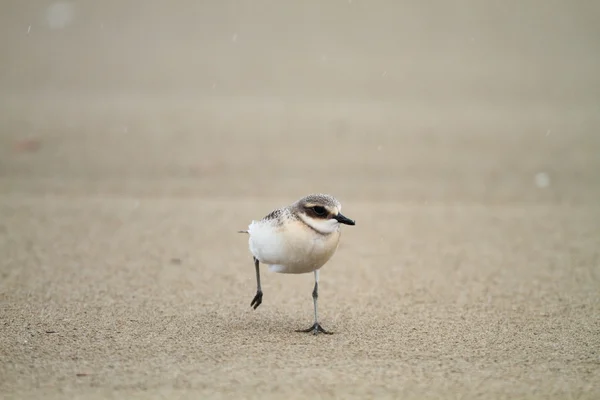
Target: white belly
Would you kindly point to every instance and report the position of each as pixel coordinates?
(295, 249)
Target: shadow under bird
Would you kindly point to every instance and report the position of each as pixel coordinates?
(297, 239)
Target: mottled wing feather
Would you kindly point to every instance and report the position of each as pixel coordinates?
(273, 215)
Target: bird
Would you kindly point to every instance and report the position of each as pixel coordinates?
(297, 239)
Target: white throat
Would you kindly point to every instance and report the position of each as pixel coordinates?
(323, 226)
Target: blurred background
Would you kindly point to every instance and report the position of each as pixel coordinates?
(395, 100)
(137, 137)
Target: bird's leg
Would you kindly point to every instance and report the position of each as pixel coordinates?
(257, 300)
(316, 328)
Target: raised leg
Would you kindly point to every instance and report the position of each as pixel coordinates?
(257, 300)
(316, 328)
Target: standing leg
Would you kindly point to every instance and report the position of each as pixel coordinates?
(315, 295)
(257, 300)
(316, 328)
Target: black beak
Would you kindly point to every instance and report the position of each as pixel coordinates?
(343, 220)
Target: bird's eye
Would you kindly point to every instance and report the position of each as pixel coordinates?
(319, 210)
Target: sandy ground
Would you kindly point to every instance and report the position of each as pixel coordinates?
(135, 141)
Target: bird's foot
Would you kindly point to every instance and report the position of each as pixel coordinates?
(315, 329)
(257, 300)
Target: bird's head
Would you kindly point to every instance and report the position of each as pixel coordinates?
(322, 212)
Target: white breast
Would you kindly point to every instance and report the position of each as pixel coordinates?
(291, 248)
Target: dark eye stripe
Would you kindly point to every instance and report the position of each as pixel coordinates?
(320, 211)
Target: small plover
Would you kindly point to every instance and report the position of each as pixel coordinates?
(297, 239)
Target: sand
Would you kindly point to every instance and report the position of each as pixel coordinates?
(136, 141)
